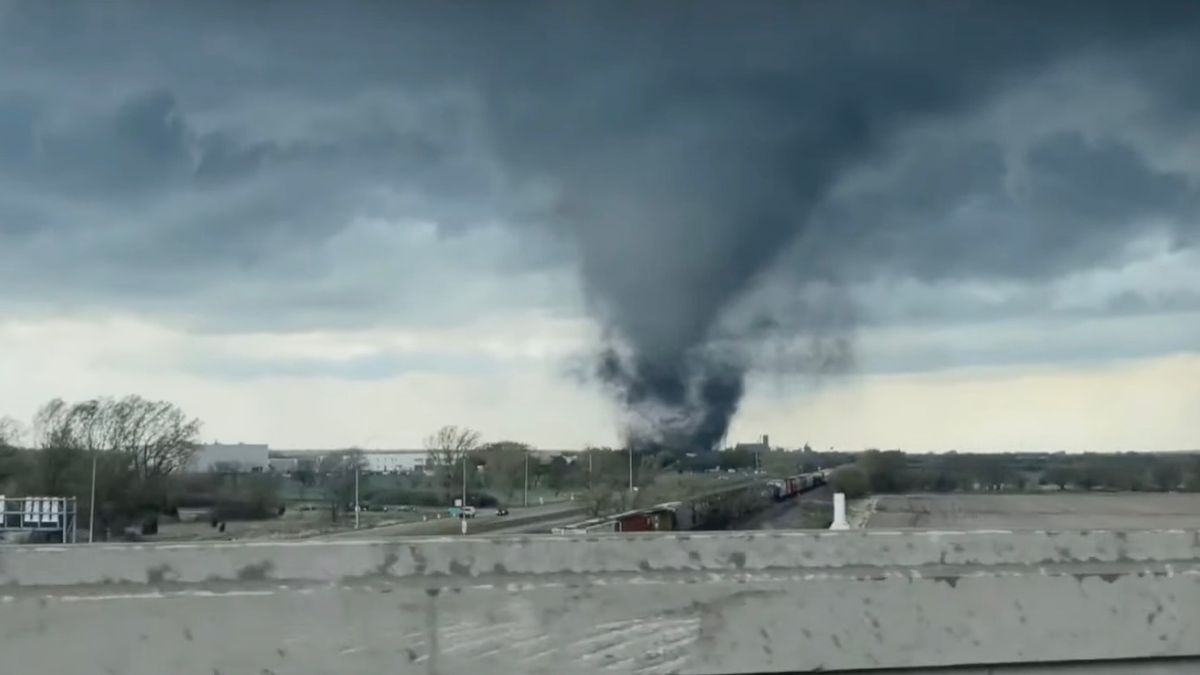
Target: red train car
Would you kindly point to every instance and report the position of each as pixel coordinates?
(634, 521)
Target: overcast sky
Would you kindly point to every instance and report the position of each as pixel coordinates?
(933, 226)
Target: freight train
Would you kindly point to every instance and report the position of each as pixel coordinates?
(704, 511)
(786, 488)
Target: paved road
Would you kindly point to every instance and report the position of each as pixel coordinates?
(532, 519)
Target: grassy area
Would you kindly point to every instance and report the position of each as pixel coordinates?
(294, 523)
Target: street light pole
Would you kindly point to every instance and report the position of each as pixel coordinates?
(631, 470)
(92, 506)
(525, 500)
(462, 512)
(357, 508)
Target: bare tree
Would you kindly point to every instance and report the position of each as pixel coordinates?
(62, 434)
(447, 448)
(601, 499)
(12, 433)
(155, 436)
(336, 473)
(505, 464)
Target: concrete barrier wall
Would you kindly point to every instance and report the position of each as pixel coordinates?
(684, 603)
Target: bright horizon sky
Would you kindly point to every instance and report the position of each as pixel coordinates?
(1115, 405)
(320, 230)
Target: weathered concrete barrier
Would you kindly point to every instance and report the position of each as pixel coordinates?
(684, 603)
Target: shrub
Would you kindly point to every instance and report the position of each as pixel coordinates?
(850, 480)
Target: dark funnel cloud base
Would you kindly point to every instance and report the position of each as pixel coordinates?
(679, 405)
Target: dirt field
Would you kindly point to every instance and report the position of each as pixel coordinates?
(1130, 510)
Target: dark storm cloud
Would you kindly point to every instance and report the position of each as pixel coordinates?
(361, 368)
(951, 213)
(708, 170)
(681, 152)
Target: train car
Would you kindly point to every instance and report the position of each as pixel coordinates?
(685, 516)
(662, 519)
(778, 489)
(634, 521)
(588, 526)
(795, 486)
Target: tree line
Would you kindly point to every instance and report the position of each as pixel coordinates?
(500, 471)
(135, 447)
(140, 449)
(894, 471)
(599, 477)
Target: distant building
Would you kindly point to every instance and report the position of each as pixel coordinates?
(284, 465)
(239, 457)
(386, 461)
(395, 461)
(762, 446)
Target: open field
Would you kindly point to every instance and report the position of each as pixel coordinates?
(1113, 510)
(298, 524)
(292, 525)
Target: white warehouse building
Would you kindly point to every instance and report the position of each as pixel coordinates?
(240, 457)
(394, 461)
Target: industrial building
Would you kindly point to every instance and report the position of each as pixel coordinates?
(284, 465)
(376, 461)
(237, 457)
(395, 461)
(258, 457)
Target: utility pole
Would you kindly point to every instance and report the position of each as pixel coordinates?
(92, 507)
(526, 497)
(589, 454)
(357, 508)
(462, 513)
(631, 471)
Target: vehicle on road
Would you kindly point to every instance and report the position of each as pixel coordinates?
(462, 511)
(502, 511)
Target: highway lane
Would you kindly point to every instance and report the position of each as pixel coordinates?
(530, 519)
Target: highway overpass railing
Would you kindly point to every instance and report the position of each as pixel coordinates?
(729, 602)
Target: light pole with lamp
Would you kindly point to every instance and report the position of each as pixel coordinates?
(462, 512)
(92, 503)
(632, 489)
